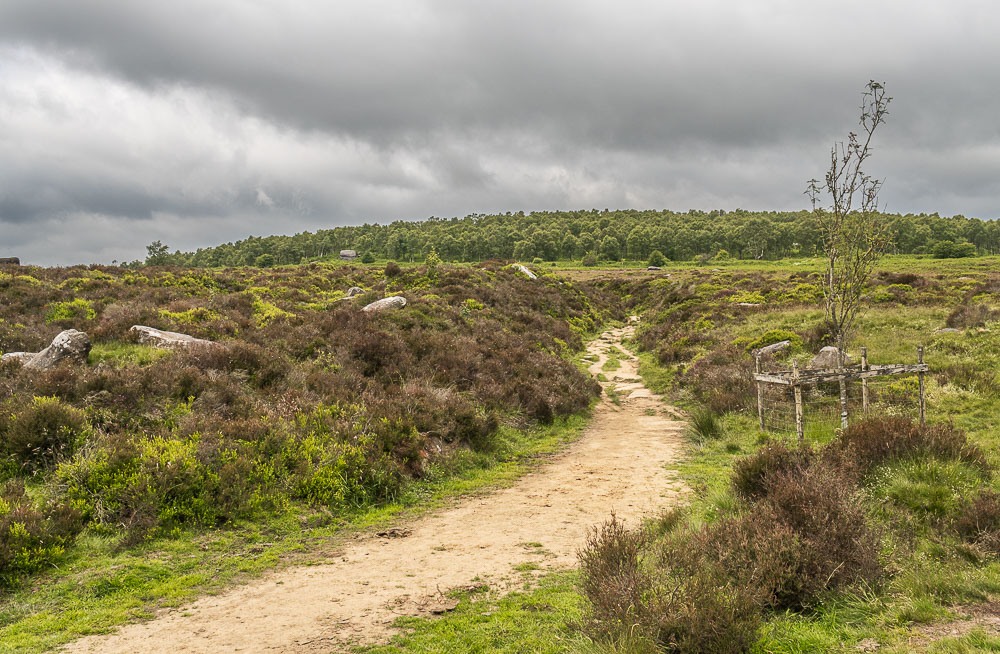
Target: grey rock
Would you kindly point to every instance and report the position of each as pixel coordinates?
(774, 347)
(827, 358)
(71, 345)
(17, 356)
(355, 291)
(748, 304)
(947, 330)
(348, 255)
(169, 340)
(523, 269)
(385, 304)
(653, 268)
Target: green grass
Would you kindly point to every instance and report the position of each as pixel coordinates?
(99, 586)
(541, 620)
(122, 354)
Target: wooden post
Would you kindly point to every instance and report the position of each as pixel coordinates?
(760, 393)
(864, 380)
(920, 376)
(799, 427)
(843, 397)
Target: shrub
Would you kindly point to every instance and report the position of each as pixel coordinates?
(674, 601)
(871, 442)
(656, 258)
(392, 269)
(367, 257)
(42, 433)
(979, 521)
(775, 336)
(77, 309)
(31, 539)
(751, 474)
(968, 315)
(589, 260)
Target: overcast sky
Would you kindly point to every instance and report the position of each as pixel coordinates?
(197, 122)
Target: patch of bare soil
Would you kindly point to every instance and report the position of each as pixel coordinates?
(618, 464)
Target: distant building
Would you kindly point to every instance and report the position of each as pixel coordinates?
(347, 255)
(12, 261)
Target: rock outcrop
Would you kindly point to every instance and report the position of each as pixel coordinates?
(524, 269)
(69, 345)
(385, 304)
(16, 356)
(355, 291)
(774, 347)
(170, 340)
(827, 358)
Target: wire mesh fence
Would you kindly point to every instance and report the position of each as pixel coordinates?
(891, 390)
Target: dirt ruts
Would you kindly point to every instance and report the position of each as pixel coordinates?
(619, 463)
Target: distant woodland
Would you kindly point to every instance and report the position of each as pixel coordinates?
(605, 235)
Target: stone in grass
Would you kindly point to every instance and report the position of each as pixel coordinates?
(355, 291)
(17, 356)
(827, 358)
(170, 340)
(385, 304)
(774, 347)
(524, 269)
(948, 330)
(69, 345)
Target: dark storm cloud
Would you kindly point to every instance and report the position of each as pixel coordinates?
(214, 120)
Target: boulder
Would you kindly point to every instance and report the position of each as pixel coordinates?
(17, 356)
(524, 269)
(71, 345)
(748, 304)
(827, 358)
(653, 268)
(774, 347)
(355, 291)
(170, 340)
(394, 302)
(947, 330)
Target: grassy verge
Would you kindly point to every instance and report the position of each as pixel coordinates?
(98, 586)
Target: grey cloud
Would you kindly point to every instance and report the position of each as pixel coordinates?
(182, 113)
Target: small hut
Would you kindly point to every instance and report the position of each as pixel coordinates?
(10, 261)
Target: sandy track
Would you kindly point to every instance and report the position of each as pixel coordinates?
(617, 464)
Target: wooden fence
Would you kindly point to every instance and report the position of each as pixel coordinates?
(797, 378)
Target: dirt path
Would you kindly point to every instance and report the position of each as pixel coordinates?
(618, 463)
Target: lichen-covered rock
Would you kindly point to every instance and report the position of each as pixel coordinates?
(774, 347)
(17, 356)
(524, 269)
(165, 339)
(355, 291)
(394, 302)
(71, 345)
(828, 358)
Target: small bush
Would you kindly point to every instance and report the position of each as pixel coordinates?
(31, 539)
(392, 269)
(979, 521)
(968, 315)
(752, 474)
(78, 309)
(589, 260)
(656, 258)
(41, 434)
(874, 441)
(367, 257)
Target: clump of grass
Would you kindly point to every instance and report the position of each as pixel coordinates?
(704, 425)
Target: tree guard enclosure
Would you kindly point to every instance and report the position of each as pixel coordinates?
(797, 380)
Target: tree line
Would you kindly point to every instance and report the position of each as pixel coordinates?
(607, 235)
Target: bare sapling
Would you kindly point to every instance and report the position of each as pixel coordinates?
(855, 233)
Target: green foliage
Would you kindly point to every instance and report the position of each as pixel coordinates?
(952, 250)
(41, 433)
(76, 309)
(656, 258)
(589, 260)
(265, 261)
(31, 538)
(775, 336)
(722, 256)
(368, 257)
